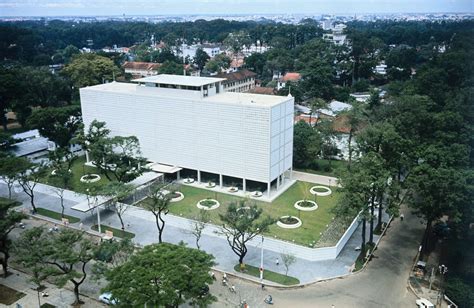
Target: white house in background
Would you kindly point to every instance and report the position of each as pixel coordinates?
(361, 97)
(381, 68)
(334, 108)
(288, 77)
(190, 122)
(190, 50)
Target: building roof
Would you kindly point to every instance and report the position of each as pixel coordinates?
(223, 97)
(291, 77)
(145, 66)
(237, 76)
(247, 99)
(192, 81)
(335, 107)
(263, 90)
(31, 146)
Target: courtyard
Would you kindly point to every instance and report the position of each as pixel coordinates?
(314, 223)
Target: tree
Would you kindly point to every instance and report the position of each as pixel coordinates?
(118, 191)
(201, 58)
(120, 156)
(355, 119)
(198, 225)
(10, 89)
(172, 68)
(10, 168)
(30, 251)
(314, 105)
(162, 275)
(90, 69)
(8, 221)
(288, 260)
(58, 124)
(327, 133)
(240, 224)
(28, 179)
(67, 254)
(158, 203)
(306, 145)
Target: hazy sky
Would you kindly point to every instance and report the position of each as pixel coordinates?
(163, 7)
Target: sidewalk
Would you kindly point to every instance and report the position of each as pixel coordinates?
(315, 178)
(61, 298)
(143, 225)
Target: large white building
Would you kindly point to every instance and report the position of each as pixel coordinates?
(190, 122)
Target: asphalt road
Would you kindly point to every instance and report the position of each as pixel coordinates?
(382, 284)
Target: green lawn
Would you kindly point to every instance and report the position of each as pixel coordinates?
(56, 215)
(78, 170)
(8, 295)
(117, 232)
(10, 202)
(268, 275)
(323, 169)
(314, 222)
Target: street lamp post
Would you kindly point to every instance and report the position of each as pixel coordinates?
(261, 263)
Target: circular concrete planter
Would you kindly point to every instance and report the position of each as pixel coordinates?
(90, 178)
(179, 198)
(284, 225)
(210, 185)
(188, 181)
(298, 206)
(233, 189)
(256, 194)
(208, 208)
(315, 191)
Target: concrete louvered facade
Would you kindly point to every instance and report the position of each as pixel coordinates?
(190, 122)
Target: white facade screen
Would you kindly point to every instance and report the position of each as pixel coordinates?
(251, 141)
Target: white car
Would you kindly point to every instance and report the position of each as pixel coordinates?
(106, 298)
(424, 303)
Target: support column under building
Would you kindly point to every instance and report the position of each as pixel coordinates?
(244, 185)
(87, 156)
(278, 182)
(220, 180)
(178, 175)
(199, 176)
(269, 186)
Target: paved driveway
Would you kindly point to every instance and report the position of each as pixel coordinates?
(382, 284)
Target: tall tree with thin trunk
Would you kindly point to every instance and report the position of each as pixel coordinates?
(198, 225)
(28, 179)
(118, 191)
(288, 260)
(158, 203)
(240, 224)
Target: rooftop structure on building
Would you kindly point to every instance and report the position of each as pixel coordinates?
(192, 123)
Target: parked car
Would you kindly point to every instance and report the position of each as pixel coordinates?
(424, 303)
(106, 298)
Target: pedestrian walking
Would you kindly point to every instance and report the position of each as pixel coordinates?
(402, 216)
(277, 262)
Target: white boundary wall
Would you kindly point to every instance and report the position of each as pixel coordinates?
(308, 253)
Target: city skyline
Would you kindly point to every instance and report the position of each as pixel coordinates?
(230, 7)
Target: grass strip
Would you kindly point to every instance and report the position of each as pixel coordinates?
(117, 232)
(56, 215)
(268, 275)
